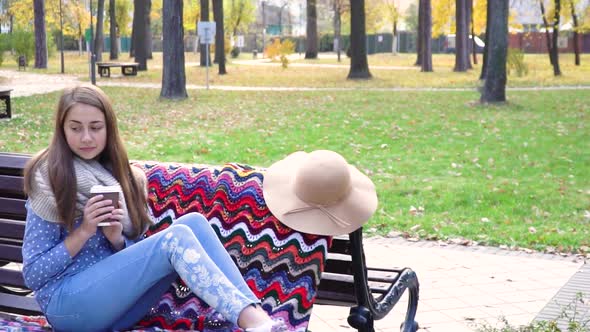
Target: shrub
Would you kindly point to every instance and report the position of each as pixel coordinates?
(23, 43)
(515, 62)
(280, 50)
(235, 52)
(4, 46)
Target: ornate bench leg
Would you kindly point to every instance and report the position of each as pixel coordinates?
(361, 319)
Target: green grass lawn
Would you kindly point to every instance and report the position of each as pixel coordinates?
(515, 175)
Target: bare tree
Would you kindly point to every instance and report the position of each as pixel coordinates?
(40, 34)
(173, 72)
(494, 89)
(359, 65)
(219, 36)
(99, 37)
(311, 46)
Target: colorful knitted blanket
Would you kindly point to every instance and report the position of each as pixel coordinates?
(281, 266)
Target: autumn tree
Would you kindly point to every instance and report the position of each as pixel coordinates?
(311, 45)
(173, 72)
(79, 20)
(239, 14)
(494, 89)
(359, 65)
(40, 34)
(392, 14)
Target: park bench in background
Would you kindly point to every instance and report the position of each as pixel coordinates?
(5, 108)
(231, 194)
(127, 68)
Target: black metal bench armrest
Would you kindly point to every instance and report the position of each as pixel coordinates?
(370, 308)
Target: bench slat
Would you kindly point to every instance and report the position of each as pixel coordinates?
(22, 305)
(12, 278)
(14, 229)
(12, 186)
(12, 208)
(13, 163)
(11, 252)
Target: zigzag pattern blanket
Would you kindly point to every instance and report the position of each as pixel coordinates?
(282, 266)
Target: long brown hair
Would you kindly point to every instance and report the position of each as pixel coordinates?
(60, 161)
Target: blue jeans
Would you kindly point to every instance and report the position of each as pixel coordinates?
(118, 291)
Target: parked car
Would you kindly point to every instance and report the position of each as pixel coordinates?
(450, 43)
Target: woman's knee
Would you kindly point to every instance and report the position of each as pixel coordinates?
(177, 231)
(195, 221)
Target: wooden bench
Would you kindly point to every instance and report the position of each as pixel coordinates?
(5, 108)
(346, 280)
(127, 68)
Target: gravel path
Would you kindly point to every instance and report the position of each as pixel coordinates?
(25, 83)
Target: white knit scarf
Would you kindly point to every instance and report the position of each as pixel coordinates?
(88, 174)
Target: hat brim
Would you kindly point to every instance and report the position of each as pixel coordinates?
(279, 193)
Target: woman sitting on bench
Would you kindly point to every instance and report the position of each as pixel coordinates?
(85, 257)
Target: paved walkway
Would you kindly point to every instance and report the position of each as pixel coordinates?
(461, 287)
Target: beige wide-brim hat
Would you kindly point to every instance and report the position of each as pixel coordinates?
(319, 193)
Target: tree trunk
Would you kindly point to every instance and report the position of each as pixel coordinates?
(461, 58)
(484, 64)
(426, 48)
(219, 35)
(99, 37)
(359, 65)
(419, 35)
(394, 40)
(203, 47)
(148, 31)
(473, 44)
(337, 29)
(113, 23)
(494, 89)
(554, 47)
(173, 73)
(40, 34)
(140, 28)
(467, 43)
(547, 36)
(576, 44)
(311, 51)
